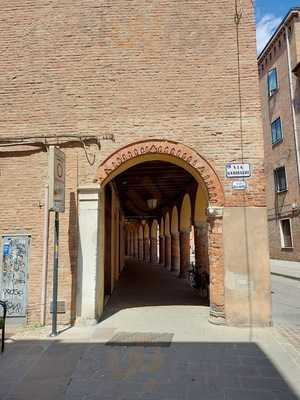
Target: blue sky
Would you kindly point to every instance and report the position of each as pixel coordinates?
(269, 14)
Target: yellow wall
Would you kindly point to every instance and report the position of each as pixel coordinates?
(174, 220)
(201, 204)
(185, 214)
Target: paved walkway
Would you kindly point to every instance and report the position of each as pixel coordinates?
(288, 269)
(157, 346)
(150, 285)
(286, 312)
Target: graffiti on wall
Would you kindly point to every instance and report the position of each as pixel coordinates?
(13, 274)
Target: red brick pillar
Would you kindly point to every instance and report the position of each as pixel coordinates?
(201, 245)
(128, 243)
(146, 243)
(153, 250)
(168, 252)
(141, 249)
(175, 252)
(162, 249)
(136, 245)
(184, 253)
(132, 244)
(146, 250)
(216, 268)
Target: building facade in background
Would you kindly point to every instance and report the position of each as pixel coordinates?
(155, 106)
(279, 71)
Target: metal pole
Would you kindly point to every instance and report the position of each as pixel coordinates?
(55, 275)
(45, 257)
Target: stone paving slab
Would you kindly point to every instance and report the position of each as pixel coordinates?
(82, 368)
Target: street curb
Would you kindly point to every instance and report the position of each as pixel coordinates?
(295, 278)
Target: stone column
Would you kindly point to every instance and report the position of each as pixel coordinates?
(87, 263)
(175, 252)
(201, 248)
(216, 267)
(168, 252)
(184, 253)
(161, 249)
(153, 249)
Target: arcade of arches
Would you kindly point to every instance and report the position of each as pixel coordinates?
(155, 212)
(159, 202)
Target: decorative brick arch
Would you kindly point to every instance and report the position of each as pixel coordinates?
(177, 153)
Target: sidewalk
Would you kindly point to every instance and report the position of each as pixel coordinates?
(141, 356)
(287, 269)
(152, 344)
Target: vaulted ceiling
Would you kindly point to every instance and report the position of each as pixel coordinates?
(160, 180)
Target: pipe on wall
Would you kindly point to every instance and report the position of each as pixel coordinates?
(292, 102)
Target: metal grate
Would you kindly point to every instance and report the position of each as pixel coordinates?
(142, 339)
(61, 307)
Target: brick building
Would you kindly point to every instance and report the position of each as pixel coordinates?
(279, 71)
(149, 101)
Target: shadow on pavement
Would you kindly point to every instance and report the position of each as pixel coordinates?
(143, 285)
(136, 369)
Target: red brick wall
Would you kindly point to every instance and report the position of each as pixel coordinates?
(137, 70)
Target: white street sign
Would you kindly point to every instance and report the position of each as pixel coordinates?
(235, 170)
(56, 176)
(239, 185)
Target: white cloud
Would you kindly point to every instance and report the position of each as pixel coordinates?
(265, 28)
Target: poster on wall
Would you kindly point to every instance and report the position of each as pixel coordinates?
(13, 274)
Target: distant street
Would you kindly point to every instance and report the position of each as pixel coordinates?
(286, 301)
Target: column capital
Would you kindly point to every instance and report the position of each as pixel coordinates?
(88, 193)
(200, 225)
(213, 212)
(216, 317)
(185, 230)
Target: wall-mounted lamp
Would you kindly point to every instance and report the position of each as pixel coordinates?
(214, 212)
(152, 203)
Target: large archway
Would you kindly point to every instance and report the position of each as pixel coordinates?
(173, 152)
(149, 181)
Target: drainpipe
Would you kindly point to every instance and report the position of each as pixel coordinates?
(45, 257)
(293, 102)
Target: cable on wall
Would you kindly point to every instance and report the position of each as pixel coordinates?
(237, 19)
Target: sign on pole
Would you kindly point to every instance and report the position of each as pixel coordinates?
(56, 175)
(235, 170)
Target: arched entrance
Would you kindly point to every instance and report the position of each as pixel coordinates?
(172, 152)
(149, 181)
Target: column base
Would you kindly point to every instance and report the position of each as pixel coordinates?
(85, 322)
(183, 275)
(217, 317)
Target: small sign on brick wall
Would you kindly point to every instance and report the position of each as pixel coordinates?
(239, 185)
(236, 170)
